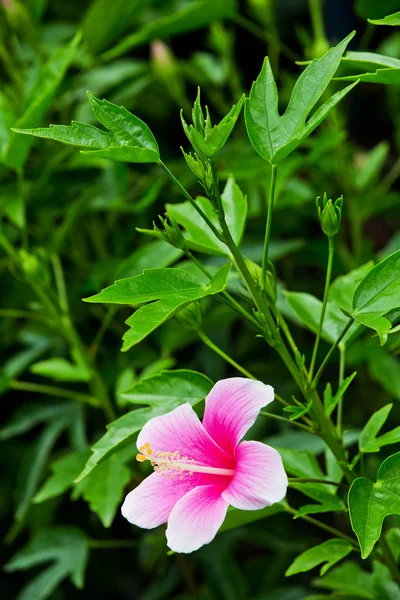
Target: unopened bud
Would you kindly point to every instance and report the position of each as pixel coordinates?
(330, 214)
(171, 233)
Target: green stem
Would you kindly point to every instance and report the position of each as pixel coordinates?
(327, 429)
(264, 413)
(50, 390)
(204, 338)
(21, 314)
(310, 480)
(317, 21)
(190, 199)
(321, 525)
(342, 361)
(259, 32)
(331, 351)
(271, 199)
(324, 304)
(225, 296)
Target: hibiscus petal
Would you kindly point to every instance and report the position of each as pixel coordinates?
(232, 407)
(150, 503)
(260, 479)
(196, 518)
(181, 431)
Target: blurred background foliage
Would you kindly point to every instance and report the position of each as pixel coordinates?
(68, 227)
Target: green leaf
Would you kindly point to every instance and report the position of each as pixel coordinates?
(66, 547)
(173, 288)
(100, 26)
(393, 20)
(385, 369)
(103, 488)
(300, 463)
(177, 386)
(369, 442)
(274, 136)
(237, 518)
(372, 167)
(123, 431)
(348, 579)
(377, 294)
(39, 455)
(313, 509)
(370, 9)
(128, 138)
(197, 233)
(42, 94)
(308, 308)
(64, 471)
(329, 552)
(61, 369)
(330, 400)
(372, 68)
(369, 503)
(193, 16)
(30, 415)
(210, 140)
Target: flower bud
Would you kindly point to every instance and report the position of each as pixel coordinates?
(166, 67)
(330, 214)
(191, 316)
(171, 233)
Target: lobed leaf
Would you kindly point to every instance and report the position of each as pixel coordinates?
(274, 136)
(329, 552)
(128, 138)
(377, 294)
(369, 503)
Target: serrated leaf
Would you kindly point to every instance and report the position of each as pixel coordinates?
(329, 552)
(123, 431)
(298, 411)
(274, 136)
(377, 294)
(43, 91)
(173, 288)
(178, 386)
(369, 442)
(103, 488)
(370, 503)
(216, 136)
(33, 414)
(348, 579)
(393, 20)
(67, 547)
(330, 400)
(64, 472)
(198, 234)
(191, 17)
(128, 140)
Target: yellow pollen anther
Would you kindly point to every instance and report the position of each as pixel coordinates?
(172, 464)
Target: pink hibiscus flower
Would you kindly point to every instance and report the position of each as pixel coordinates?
(201, 468)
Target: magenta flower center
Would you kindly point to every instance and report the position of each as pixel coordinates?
(172, 464)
